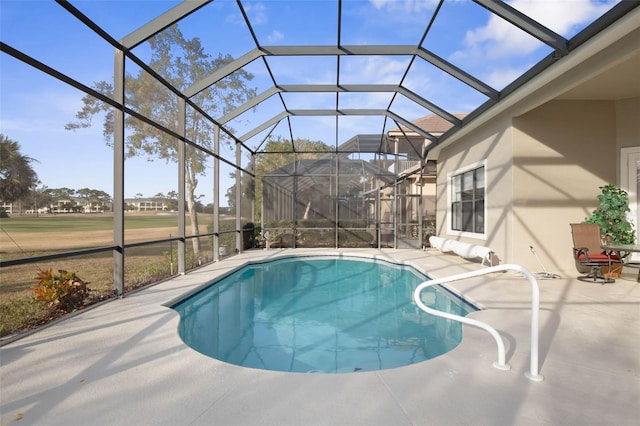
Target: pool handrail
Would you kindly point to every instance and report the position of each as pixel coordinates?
(533, 373)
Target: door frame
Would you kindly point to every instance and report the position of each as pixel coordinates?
(629, 175)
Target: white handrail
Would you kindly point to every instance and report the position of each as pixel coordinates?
(533, 373)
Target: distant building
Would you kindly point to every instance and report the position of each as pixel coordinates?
(7, 207)
(63, 205)
(146, 204)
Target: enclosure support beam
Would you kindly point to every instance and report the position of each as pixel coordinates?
(423, 162)
(118, 175)
(251, 103)
(329, 112)
(526, 23)
(216, 194)
(395, 194)
(295, 201)
(378, 216)
(238, 199)
(182, 107)
(253, 200)
(163, 21)
(335, 200)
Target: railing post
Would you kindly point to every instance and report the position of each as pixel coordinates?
(533, 373)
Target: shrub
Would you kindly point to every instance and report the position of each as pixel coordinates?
(316, 223)
(283, 241)
(352, 223)
(354, 238)
(315, 238)
(64, 291)
(611, 216)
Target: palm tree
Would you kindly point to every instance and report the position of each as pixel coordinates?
(17, 177)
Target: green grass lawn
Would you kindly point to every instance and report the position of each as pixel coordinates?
(86, 222)
(18, 308)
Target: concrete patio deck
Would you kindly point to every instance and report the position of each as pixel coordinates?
(123, 363)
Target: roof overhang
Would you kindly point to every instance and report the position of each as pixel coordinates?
(616, 44)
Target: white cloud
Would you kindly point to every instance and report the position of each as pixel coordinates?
(373, 70)
(275, 36)
(376, 100)
(496, 51)
(235, 19)
(502, 77)
(407, 5)
(564, 14)
(257, 13)
(498, 38)
(419, 82)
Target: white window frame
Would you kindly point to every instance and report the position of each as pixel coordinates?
(450, 175)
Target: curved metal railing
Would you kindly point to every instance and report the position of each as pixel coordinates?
(533, 373)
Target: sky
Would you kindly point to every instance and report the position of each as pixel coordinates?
(34, 107)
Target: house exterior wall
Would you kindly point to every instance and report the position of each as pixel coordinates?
(490, 143)
(628, 122)
(544, 169)
(563, 151)
(548, 150)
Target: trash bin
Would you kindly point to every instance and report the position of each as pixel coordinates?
(247, 236)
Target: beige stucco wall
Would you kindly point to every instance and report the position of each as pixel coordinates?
(563, 152)
(490, 142)
(628, 122)
(544, 170)
(548, 150)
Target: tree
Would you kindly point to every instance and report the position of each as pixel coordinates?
(17, 177)
(39, 198)
(61, 194)
(172, 200)
(266, 163)
(94, 198)
(181, 62)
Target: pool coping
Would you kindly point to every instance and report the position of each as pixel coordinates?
(123, 363)
(292, 255)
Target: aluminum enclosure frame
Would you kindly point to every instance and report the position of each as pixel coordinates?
(560, 46)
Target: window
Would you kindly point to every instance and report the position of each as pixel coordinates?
(467, 200)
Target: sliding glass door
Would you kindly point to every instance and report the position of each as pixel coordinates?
(630, 182)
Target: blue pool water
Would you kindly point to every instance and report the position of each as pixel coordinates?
(320, 314)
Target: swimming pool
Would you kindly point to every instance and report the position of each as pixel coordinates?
(320, 314)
